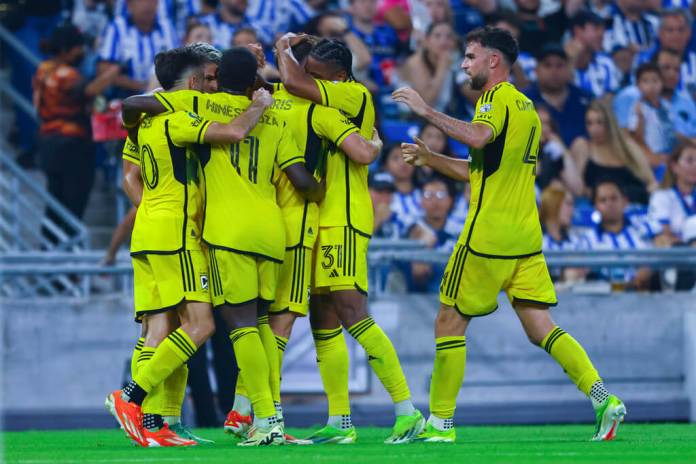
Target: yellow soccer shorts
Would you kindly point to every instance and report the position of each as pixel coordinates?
(471, 283)
(294, 280)
(163, 281)
(340, 260)
(237, 278)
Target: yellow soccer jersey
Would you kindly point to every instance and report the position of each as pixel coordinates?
(317, 129)
(130, 152)
(171, 206)
(241, 213)
(503, 220)
(348, 200)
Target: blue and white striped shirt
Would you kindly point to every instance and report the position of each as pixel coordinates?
(601, 76)
(273, 17)
(687, 80)
(457, 216)
(407, 206)
(123, 43)
(623, 32)
(222, 31)
(176, 11)
(528, 64)
(630, 238)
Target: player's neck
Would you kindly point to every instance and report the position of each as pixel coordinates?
(495, 80)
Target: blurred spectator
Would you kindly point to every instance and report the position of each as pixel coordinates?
(674, 34)
(623, 59)
(630, 25)
(230, 16)
(555, 165)
(683, 106)
(594, 70)
(245, 36)
(387, 224)
(468, 14)
(426, 12)
(397, 13)
(406, 201)
(535, 31)
(431, 69)
(273, 18)
(523, 70)
(176, 12)
(438, 142)
(650, 120)
(609, 155)
(197, 32)
(332, 25)
(132, 42)
(61, 97)
(614, 232)
(566, 102)
(672, 205)
(556, 215)
(438, 198)
(91, 17)
(380, 40)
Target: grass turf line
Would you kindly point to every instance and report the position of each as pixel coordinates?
(636, 443)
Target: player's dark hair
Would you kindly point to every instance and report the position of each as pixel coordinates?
(172, 65)
(496, 38)
(647, 68)
(237, 70)
(302, 49)
(207, 51)
(336, 54)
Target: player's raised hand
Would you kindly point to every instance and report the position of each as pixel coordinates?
(262, 97)
(257, 51)
(416, 154)
(410, 97)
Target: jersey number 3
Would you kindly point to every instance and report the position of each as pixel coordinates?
(250, 144)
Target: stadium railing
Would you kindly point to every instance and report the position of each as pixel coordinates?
(8, 39)
(79, 273)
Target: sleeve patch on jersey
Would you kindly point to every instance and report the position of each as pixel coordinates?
(485, 108)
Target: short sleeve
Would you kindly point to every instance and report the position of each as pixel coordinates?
(490, 110)
(331, 124)
(130, 152)
(186, 128)
(288, 151)
(343, 96)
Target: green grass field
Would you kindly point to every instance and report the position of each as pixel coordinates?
(639, 443)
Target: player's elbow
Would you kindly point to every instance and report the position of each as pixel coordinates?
(478, 141)
(236, 134)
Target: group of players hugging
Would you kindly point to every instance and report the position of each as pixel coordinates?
(252, 201)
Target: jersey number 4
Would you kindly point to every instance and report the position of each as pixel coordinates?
(531, 152)
(250, 144)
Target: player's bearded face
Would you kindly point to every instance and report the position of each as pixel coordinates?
(479, 80)
(476, 65)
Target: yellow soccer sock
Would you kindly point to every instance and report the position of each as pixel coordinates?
(174, 388)
(271, 349)
(253, 367)
(448, 375)
(136, 354)
(174, 351)
(332, 358)
(382, 357)
(572, 357)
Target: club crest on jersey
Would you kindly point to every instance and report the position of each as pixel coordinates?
(204, 281)
(485, 108)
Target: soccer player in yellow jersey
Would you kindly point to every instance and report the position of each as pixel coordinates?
(500, 246)
(339, 296)
(167, 233)
(165, 400)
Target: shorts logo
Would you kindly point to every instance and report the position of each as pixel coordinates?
(204, 281)
(334, 273)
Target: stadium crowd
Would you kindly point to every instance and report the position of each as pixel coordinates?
(614, 83)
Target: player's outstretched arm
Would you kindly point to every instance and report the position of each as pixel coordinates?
(293, 76)
(360, 150)
(236, 130)
(136, 105)
(474, 135)
(305, 183)
(418, 154)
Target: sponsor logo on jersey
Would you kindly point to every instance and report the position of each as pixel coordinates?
(485, 108)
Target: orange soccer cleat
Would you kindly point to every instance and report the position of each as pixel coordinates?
(165, 437)
(128, 415)
(237, 424)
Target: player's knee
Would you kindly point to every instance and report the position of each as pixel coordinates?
(450, 323)
(281, 324)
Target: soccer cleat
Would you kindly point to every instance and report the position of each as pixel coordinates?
(258, 436)
(128, 415)
(406, 428)
(165, 437)
(608, 418)
(109, 405)
(333, 435)
(433, 435)
(237, 424)
(185, 432)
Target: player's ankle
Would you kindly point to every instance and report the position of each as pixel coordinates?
(342, 422)
(404, 408)
(440, 423)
